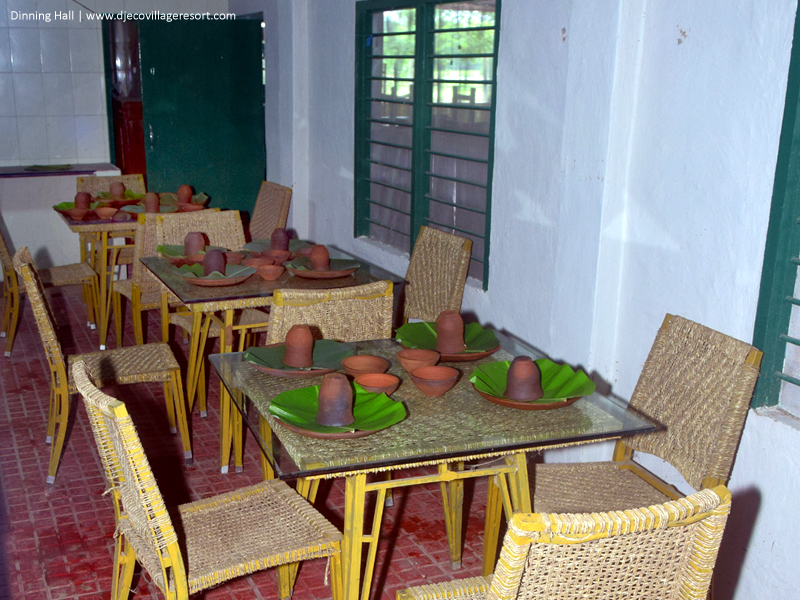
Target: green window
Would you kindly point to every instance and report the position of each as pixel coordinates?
(425, 97)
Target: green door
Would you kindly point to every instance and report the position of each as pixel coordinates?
(203, 108)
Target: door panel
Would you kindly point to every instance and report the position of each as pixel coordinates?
(203, 108)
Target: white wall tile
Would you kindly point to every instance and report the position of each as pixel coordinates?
(21, 6)
(53, 8)
(85, 47)
(29, 94)
(58, 94)
(5, 51)
(3, 13)
(61, 141)
(8, 107)
(90, 137)
(32, 138)
(110, 6)
(140, 6)
(54, 44)
(9, 149)
(26, 56)
(88, 93)
(218, 6)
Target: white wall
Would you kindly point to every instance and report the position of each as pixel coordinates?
(634, 161)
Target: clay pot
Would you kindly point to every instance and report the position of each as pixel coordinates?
(279, 240)
(77, 214)
(411, 359)
(152, 203)
(270, 272)
(450, 332)
(257, 261)
(524, 380)
(363, 364)
(214, 260)
(117, 190)
(335, 401)
(185, 194)
(189, 207)
(299, 347)
(234, 258)
(320, 259)
(378, 383)
(279, 256)
(105, 212)
(82, 200)
(194, 243)
(434, 381)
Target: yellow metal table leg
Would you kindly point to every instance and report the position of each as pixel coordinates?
(265, 431)
(453, 503)
(103, 298)
(354, 498)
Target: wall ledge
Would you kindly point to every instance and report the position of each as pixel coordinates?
(776, 413)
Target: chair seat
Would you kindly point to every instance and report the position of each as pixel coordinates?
(149, 300)
(246, 318)
(125, 256)
(590, 487)
(471, 588)
(244, 531)
(67, 274)
(136, 364)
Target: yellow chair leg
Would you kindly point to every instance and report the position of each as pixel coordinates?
(177, 399)
(336, 576)
(62, 401)
(285, 581)
(124, 565)
(12, 306)
(52, 415)
(491, 532)
(116, 300)
(225, 433)
(267, 472)
(453, 502)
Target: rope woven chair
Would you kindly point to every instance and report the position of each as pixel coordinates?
(436, 274)
(663, 551)
(74, 274)
(271, 210)
(349, 314)
(222, 537)
(696, 382)
(147, 363)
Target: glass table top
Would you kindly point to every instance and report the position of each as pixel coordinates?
(459, 424)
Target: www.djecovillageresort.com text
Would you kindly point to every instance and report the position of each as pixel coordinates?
(84, 15)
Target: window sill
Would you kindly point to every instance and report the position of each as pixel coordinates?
(779, 415)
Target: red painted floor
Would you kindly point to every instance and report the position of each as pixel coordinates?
(58, 540)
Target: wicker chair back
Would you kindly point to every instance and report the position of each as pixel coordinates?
(271, 210)
(94, 184)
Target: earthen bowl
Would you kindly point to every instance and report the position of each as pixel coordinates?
(379, 383)
(279, 256)
(270, 272)
(77, 214)
(234, 258)
(257, 261)
(412, 359)
(105, 212)
(434, 381)
(364, 363)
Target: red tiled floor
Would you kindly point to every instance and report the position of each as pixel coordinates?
(59, 539)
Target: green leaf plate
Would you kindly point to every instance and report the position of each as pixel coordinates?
(480, 342)
(233, 274)
(297, 410)
(340, 267)
(264, 245)
(171, 198)
(139, 209)
(129, 195)
(560, 383)
(327, 355)
(176, 250)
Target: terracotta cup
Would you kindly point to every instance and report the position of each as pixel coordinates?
(234, 258)
(411, 359)
(364, 363)
(270, 272)
(152, 203)
(117, 190)
(299, 347)
(524, 380)
(279, 240)
(257, 261)
(320, 259)
(335, 401)
(279, 256)
(194, 243)
(185, 194)
(434, 381)
(378, 383)
(82, 200)
(214, 260)
(450, 332)
(77, 214)
(106, 212)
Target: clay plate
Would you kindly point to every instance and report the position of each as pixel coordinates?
(218, 282)
(297, 374)
(344, 435)
(463, 356)
(321, 274)
(525, 405)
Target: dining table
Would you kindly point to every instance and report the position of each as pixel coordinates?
(457, 436)
(254, 292)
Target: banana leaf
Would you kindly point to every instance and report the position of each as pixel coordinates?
(176, 250)
(64, 205)
(327, 354)
(129, 195)
(559, 382)
(171, 198)
(196, 271)
(423, 335)
(303, 263)
(138, 208)
(372, 412)
(264, 245)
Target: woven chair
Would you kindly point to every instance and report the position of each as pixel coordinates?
(349, 314)
(436, 274)
(222, 537)
(271, 210)
(697, 383)
(663, 551)
(74, 274)
(147, 363)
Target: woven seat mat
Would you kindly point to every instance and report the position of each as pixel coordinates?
(149, 300)
(247, 317)
(459, 421)
(464, 589)
(67, 274)
(589, 487)
(134, 364)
